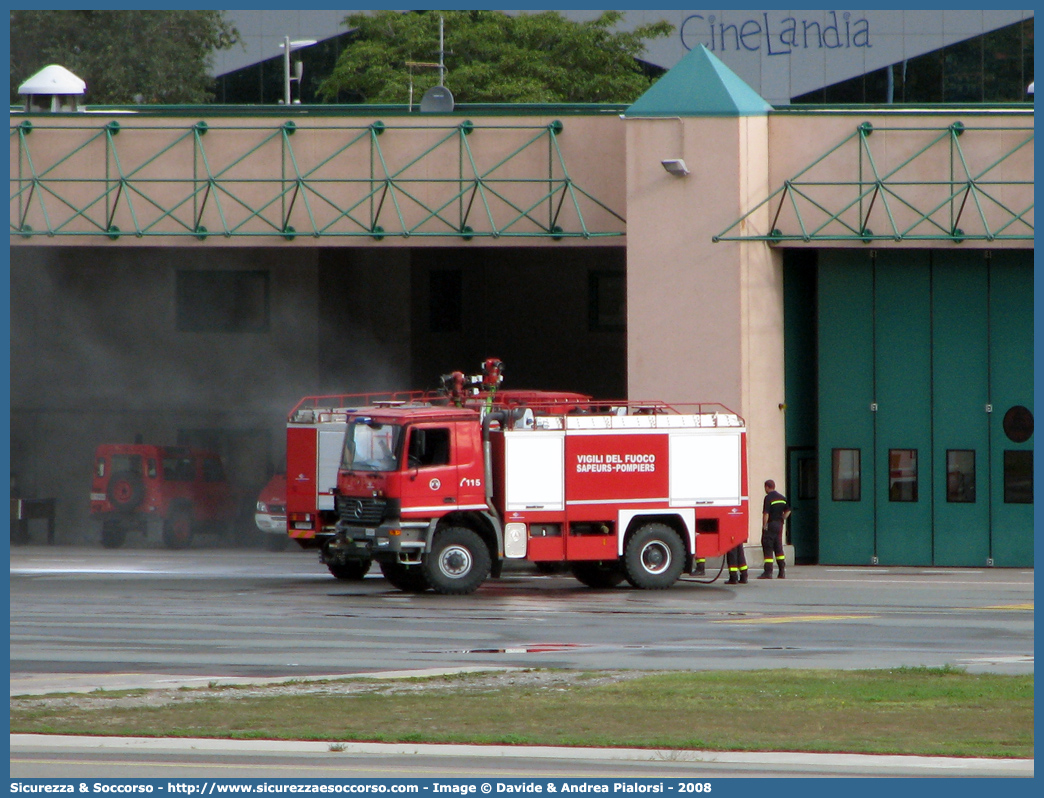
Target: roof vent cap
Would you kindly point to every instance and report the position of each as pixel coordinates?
(54, 88)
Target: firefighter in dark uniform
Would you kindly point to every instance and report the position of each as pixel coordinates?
(774, 512)
(737, 562)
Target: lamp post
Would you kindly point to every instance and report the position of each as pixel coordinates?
(287, 46)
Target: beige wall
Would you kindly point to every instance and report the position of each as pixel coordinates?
(167, 161)
(800, 139)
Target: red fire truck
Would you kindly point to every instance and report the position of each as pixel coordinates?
(441, 489)
(315, 433)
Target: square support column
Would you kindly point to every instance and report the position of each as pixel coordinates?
(705, 319)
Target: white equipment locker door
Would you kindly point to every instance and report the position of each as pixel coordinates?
(534, 462)
(705, 468)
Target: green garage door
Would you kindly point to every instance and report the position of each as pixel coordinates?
(925, 392)
(903, 415)
(1011, 419)
(960, 363)
(846, 394)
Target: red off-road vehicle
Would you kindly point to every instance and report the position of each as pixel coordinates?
(184, 489)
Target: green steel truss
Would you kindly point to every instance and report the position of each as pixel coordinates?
(922, 184)
(288, 180)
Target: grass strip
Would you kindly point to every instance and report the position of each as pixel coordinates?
(920, 711)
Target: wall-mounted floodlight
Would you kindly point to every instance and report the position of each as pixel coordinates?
(676, 166)
(287, 46)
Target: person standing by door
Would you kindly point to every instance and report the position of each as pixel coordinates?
(774, 512)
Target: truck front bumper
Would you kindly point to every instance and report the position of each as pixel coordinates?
(385, 542)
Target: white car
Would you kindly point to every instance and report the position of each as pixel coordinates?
(270, 515)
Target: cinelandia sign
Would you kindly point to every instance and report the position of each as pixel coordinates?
(772, 33)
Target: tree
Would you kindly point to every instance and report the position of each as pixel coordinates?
(123, 56)
(493, 57)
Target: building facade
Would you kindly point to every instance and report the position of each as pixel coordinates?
(855, 283)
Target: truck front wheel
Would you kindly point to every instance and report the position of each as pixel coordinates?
(654, 557)
(408, 578)
(458, 561)
(350, 570)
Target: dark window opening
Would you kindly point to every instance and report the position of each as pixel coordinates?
(607, 301)
(130, 463)
(178, 469)
(1018, 476)
(960, 475)
(845, 475)
(902, 475)
(445, 300)
(429, 447)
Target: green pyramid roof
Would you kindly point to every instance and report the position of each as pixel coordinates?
(699, 85)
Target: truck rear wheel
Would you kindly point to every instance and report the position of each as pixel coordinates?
(654, 557)
(113, 534)
(598, 574)
(408, 578)
(349, 571)
(458, 562)
(177, 529)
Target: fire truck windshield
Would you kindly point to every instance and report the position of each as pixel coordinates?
(371, 446)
